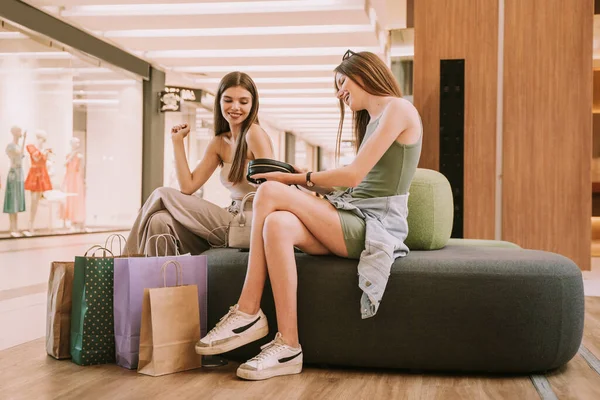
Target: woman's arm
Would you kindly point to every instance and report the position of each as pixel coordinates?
(189, 182)
(259, 142)
(393, 123)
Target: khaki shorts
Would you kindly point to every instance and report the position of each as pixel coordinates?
(354, 229)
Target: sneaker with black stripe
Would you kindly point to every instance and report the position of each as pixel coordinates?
(275, 359)
(234, 330)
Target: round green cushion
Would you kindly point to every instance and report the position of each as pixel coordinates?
(430, 211)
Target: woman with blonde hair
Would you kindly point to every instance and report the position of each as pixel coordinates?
(367, 221)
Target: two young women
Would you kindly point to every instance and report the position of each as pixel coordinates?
(388, 134)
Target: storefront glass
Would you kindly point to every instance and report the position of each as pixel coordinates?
(72, 129)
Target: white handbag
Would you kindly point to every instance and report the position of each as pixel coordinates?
(238, 234)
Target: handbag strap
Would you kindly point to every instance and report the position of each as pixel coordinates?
(211, 233)
(112, 238)
(97, 247)
(243, 207)
(179, 281)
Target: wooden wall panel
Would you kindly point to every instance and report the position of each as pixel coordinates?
(468, 29)
(548, 126)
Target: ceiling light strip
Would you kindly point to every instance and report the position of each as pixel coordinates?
(236, 31)
(266, 52)
(257, 68)
(212, 8)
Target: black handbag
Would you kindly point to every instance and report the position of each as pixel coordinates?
(265, 165)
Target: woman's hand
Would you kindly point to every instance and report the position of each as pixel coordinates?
(180, 131)
(283, 177)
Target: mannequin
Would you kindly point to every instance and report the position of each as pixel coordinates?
(73, 211)
(37, 181)
(14, 198)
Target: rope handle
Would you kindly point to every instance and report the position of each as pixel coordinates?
(97, 247)
(112, 238)
(166, 237)
(179, 281)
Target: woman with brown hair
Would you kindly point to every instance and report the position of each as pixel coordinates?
(238, 139)
(367, 221)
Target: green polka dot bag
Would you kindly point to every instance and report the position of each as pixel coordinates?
(92, 320)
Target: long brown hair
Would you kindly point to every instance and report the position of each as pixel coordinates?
(371, 74)
(221, 125)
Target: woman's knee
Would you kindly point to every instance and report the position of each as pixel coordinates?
(160, 222)
(164, 190)
(279, 226)
(268, 192)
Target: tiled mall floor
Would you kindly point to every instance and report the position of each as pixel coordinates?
(24, 267)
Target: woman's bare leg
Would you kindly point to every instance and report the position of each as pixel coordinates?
(286, 218)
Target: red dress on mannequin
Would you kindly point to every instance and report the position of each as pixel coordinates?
(37, 178)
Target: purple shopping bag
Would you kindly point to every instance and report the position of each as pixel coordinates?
(131, 277)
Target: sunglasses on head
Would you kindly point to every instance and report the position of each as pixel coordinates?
(349, 53)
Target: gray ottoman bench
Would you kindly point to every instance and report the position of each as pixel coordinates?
(462, 308)
(450, 305)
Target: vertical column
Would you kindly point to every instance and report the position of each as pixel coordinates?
(548, 126)
(153, 152)
(468, 30)
(290, 148)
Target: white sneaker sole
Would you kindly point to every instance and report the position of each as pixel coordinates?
(269, 372)
(234, 343)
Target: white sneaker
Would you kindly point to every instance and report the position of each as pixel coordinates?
(275, 359)
(234, 330)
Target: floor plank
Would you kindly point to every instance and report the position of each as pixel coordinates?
(27, 373)
(575, 381)
(591, 331)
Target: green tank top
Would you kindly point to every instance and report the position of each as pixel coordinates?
(393, 172)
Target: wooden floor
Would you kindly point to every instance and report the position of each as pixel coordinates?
(27, 373)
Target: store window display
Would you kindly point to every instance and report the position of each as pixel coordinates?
(79, 167)
(14, 195)
(73, 209)
(38, 180)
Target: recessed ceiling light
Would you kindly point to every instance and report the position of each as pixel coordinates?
(207, 8)
(257, 68)
(236, 31)
(266, 52)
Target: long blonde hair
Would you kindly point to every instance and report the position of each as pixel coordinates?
(221, 125)
(371, 74)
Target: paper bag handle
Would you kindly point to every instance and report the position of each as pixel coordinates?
(164, 236)
(179, 281)
(121, 239)
(97, 247)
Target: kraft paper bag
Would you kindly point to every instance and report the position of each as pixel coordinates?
(58, 316)
(170, 328)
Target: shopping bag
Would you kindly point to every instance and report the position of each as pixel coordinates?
(131, 277)
(58, 314)
(170, 327)
(92, 322)
(59, 302)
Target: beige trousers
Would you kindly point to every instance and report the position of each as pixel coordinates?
(195, 223)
